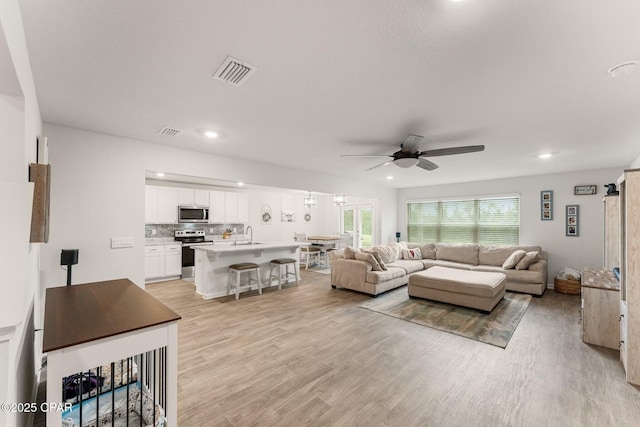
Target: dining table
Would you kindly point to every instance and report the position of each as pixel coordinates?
(324, 243)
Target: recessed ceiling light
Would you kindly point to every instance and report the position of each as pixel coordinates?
(241, 183)
(544, 156)
(389, 177)
(160, 174)
(210, 134)
(624, 68)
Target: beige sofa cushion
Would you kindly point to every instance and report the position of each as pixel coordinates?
(428, 251)
(350, 253)
(428, 263)
(497, 255)
(527, 260)
(513, 259)
(383, 276)
(376, 255)
(522, 276)
(466, 253)
(388, 253)
(361, 256)
(408, 265)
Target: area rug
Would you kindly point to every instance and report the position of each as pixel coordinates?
(495, 328)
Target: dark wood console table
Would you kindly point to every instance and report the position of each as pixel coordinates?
(96, 323)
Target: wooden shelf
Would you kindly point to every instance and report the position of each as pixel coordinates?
(40, 175)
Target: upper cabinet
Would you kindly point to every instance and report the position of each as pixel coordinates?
(236, 208)
(216, 206)
(161, 204)
(189, 196)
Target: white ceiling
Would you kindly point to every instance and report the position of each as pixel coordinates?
(351, 77)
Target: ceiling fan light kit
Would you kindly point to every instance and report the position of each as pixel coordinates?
(406, 162)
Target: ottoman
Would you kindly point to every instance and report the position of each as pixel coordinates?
(475, 289)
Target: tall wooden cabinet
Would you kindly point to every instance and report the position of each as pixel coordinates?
(629, 184)
(611, 231)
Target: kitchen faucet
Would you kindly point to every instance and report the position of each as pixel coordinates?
(247, 232)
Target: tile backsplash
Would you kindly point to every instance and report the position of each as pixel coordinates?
(167, 230)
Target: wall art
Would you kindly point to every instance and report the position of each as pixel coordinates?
(573, 220)
(546, 205)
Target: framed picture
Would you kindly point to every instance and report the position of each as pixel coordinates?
(573, 220)
(546, 205)
(581, 190)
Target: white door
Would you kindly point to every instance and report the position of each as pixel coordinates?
(358, 221)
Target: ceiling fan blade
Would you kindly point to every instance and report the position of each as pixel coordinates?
(411, 143)
(381, 164)
(452, 150)
(427, 165)
(364, 155)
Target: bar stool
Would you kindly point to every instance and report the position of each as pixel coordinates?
(279, 263)
(236, 270)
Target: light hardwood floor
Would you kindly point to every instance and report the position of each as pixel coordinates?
(308, 355)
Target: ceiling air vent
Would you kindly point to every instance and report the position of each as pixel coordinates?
(169, 131)
(234, 71)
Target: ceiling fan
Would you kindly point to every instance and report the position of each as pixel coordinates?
(409, 155)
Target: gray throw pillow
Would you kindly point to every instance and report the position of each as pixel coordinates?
(527, 260)
(361, 256)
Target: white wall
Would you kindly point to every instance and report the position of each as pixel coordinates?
(19, 125)
(97, 192)
(635, 164)
(586, 250)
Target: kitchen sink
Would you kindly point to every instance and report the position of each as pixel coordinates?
(248, 244)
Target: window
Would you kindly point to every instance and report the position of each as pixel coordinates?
(488, 221)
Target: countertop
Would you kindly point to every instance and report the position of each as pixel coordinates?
(253, 247)
(217, 240)
(599, 279)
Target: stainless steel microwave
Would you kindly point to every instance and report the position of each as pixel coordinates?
(193, 213)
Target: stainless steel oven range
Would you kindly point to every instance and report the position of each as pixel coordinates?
(189, 239)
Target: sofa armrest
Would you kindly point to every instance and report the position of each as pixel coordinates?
(540, 266)
(349, 273)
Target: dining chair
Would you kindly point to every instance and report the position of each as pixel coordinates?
(308, 252)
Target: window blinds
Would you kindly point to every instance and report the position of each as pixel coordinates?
(489, 221)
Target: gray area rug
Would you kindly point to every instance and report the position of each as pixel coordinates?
(495, 328)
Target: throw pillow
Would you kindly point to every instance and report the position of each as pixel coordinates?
(412, 254)
(361, 256)
(377, 256)
(428, 251)
(527, 260)
(350, 253)
(513, 259)
(388, 253)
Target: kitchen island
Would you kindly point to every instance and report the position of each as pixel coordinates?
(212, 263)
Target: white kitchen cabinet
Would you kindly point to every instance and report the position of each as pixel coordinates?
(173, 260)
(243, 208)
(236, 208)
(150, 204)
(190, 196)
(160, 204)
(230, 207)
(154, 261)
(162, 261)
(216, 206)
(167, 205)
(201, 197)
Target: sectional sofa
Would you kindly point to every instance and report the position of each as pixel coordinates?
(365, 275)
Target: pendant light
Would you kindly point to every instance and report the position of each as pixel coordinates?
(339, 199)
(310, 201)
